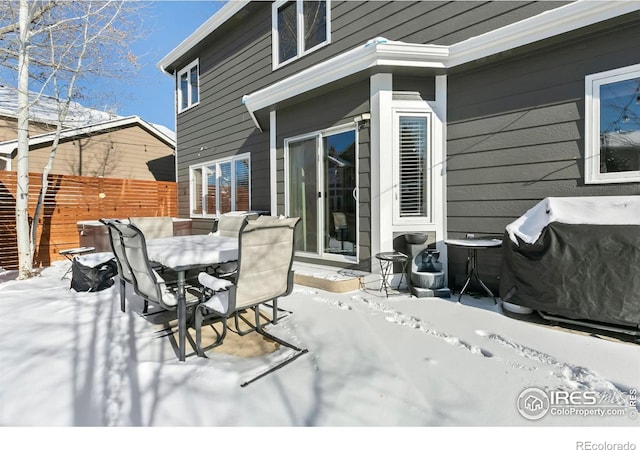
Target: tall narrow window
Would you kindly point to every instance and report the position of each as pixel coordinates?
(411, 171)
(298, 28)
(212, 187)
(612, 141)
(193, 83)
(242, 184)
(315, 23)
(412, 164)
(225, 188)
(188, 86)
(287, 31)
(196, 192)
(222, 186)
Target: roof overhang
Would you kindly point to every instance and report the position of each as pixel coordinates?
(381, 53)
(7, 147)
(554, 22)
(225, 13)
(377, 53)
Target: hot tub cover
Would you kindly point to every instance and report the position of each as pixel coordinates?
(576, 257)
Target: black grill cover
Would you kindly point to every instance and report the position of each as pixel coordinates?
(580, 271)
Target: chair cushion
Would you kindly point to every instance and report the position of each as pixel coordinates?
(213, 283)
(218, 303)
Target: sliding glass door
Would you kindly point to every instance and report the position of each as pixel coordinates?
(322, 191)
(303, 192)
(339, 161)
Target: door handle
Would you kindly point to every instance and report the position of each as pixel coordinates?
(354, 194)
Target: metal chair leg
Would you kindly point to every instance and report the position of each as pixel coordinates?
(123, 292)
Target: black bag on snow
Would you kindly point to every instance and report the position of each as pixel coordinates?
(92, 279)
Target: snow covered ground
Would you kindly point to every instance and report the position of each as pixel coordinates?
(427, 365)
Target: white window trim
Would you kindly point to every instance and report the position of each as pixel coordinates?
(592, 126)
(416, 109)
(275, 45)
(190, 103)
(201, 166)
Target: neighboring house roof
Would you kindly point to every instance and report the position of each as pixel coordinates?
(160, 132)
(80, 120)
(44, 109)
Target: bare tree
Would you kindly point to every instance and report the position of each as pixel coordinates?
(60, 46)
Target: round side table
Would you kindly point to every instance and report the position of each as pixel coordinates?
(472, 246)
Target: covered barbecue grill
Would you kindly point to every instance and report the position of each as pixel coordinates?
(576, 259)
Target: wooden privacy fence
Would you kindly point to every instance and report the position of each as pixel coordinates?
(71, 199)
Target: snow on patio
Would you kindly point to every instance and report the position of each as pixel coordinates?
(73, 359)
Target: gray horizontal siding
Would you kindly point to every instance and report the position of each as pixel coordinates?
(364, 199)
(425, 86)
(516, 131)
(236, 60)
(233, 63)
(426, 22)
(330, 109)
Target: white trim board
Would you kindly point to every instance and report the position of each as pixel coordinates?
(382, 52)
(225, 13)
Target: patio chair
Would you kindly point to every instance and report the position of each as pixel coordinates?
(160, 289)
(265, 257)
(228, 226)
(153, 227)
(124, 271)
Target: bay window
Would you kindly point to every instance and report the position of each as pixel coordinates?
(221, 186)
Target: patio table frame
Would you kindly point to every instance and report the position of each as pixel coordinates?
(183, 253)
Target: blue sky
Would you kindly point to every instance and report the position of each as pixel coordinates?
(150, 94)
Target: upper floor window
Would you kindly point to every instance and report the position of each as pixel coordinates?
(221, 186)
(188, 86)
(612, 138)
(299, 27)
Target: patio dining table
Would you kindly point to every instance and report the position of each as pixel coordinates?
(183, 253)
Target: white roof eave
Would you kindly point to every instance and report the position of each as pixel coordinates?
(547, 24)
(225, 13)
(375, 53)
(380, 52)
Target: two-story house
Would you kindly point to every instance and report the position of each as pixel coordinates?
(371, 119)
